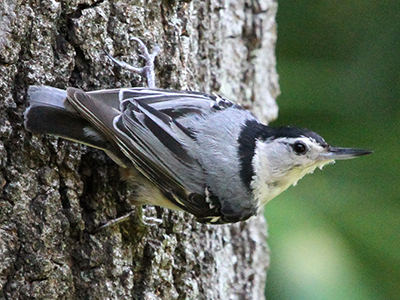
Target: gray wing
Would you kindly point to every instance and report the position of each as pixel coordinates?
(175, 104)
(156, 131)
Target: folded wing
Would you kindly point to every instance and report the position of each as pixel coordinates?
(146, 128)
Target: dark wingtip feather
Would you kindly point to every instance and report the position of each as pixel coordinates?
(48, 115)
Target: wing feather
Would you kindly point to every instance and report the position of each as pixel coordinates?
(144, 124)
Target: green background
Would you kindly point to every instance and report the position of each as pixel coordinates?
(336, 235)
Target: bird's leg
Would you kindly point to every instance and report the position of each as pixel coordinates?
(116, 221)
(148, 70)
(147, 221)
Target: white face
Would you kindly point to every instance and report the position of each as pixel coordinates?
(282, 162)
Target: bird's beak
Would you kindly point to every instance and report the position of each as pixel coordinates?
(334, 153)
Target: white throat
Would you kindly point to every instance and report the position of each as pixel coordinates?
(274, 173)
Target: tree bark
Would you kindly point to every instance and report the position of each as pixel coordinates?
(55, 193)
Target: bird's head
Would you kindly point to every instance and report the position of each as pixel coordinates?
(285, 155)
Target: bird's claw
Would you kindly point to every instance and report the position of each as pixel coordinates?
(146, 71)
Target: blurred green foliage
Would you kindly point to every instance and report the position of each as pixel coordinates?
(336, 235)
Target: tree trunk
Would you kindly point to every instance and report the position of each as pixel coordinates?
(55, 193)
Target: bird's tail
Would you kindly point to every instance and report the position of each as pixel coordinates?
(50, 113)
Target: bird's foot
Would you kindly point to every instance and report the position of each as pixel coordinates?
(148, 70)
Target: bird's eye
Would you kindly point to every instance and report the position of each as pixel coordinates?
(300, 148)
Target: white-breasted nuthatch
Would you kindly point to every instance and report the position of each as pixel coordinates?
(184, 151)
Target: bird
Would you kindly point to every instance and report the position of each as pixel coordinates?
(184, 150)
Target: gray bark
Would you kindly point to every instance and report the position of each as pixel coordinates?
(55, 193)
